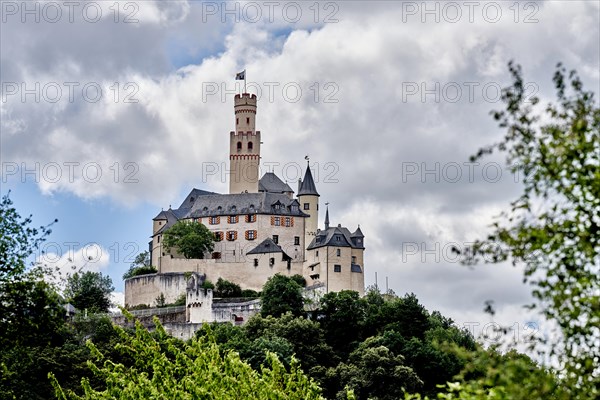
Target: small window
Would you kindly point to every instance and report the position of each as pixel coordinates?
(256, 262)
(297, 240)
(251, 235)
(216, 255)
(250, 146)
(219, 209)
(287, 221)
(233, 219)
(271, 261)
(294, 208)
(307, 206)
(277, 221)
(248, 120)
(337, 268)
(276, 239)
(214, 220)
(158, 239)
(233, 209)
(237, 121)
(317, 253)
(239, 146)
(251, 208)
(353, 259)
(338, 238)
(231, 235)
(339, 252)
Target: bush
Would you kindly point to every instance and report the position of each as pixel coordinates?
(141, 270)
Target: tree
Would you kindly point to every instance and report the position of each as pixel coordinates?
(281, 294)
(18, 240)
(191, 239)
(165, 367)
(226, 289)
(342, 315)
(89, 291)
(142, 265)
(374, 372)
(553, 227)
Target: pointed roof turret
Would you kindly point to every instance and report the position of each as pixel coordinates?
(307, 187)
(327, 217)
(358, 233)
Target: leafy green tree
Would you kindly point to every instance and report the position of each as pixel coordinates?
(342, 315)
(305, 336)
(191, 239)
(18, 240)
(281, 294)
(553, 227)
(374, 372)
(167, 368)
(142, 265)
(226, 289)
(89, 291)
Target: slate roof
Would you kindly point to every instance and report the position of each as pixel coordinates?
(355, 268)
(307, 185)
(272, 184)
(268, 246)
(200, 203)
(337, 236)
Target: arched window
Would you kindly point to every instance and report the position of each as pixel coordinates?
(239, 146)
(250, 146)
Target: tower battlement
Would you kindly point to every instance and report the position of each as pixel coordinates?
(245, 99)
(242, 133)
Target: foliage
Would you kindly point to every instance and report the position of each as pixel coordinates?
(140, 266)
(553, 227)
(281, 294)
(89, 291)
(167, 368)
(250, 293)
(192, 239)
(341, 315)
(226, 289)
(376, 373)
(18, 240)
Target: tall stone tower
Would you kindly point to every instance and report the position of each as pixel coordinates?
(244, 147)
(308, 197)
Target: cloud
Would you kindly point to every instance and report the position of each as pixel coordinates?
(65, 259)
(388, 107)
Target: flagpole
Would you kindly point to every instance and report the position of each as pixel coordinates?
(245, 81)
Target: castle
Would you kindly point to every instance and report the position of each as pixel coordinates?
(260, 229)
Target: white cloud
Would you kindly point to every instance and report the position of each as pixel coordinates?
(90, 257)
(364, 142)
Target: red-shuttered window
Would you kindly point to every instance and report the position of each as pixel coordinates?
(218, 236)
(251, 235)
(231, 235)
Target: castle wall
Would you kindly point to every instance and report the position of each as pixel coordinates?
(145, 289)
(244, 274)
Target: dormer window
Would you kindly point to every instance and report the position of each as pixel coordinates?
(233, 209)
(251, 208)
(192, 199)
(205, 209)
(294, 208)
(219, 209)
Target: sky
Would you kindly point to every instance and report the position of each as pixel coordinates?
(111, 111)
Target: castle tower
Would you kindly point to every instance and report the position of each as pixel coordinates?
(309, 204)
(244, 147)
